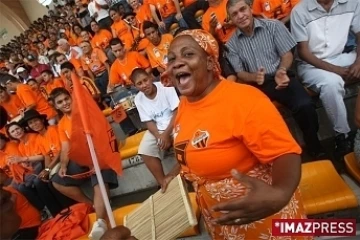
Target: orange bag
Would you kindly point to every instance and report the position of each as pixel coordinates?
(71, 223)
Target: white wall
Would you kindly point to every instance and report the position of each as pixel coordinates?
(11, 28)
(33, 9)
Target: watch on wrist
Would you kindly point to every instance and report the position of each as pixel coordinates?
(47, 169)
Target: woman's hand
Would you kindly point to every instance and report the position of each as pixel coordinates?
(261, 201)
(16, 159)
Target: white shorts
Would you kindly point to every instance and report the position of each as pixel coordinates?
(148, 146)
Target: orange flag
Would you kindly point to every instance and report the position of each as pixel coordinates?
(87, 118)
(118, 114)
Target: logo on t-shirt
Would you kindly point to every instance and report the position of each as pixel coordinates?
(200, 139)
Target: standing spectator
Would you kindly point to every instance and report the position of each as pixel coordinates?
(98, 9)
(321, 30)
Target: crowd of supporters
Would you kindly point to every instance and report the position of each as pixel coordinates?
(288, 49)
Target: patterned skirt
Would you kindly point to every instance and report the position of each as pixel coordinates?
(211, 192)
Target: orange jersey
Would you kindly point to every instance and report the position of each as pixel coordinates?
(158, 54)
(248, 139)
(50, 142)
(55, 83)
(101, 39)
(165, 7)
(87, 83)
(13, 106)
(143, 13)
(223, 34)
(64, 128)
(30, 97)
(121, 70)
(30, 216)
(274, 9)
(31, 147)
(96, 62)
(119, 29)
(11, 149)
(130, 37)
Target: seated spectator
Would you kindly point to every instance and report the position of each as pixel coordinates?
(31, 99)
(216, 22)
(50, 82)
(67, 69)
(142, 11)
(36, 67)
(97, 66)
(11, 68)
(274, 9)
(169, 13)
(23, 74)
(157, 106)
(11, 103)
(134, 39)
(70, 186)
(35, 86)
(8, 148)
(70, 52)
(119, 27)
(124, 64)
(61, 58)
(82, 14)
(85, 36)
(43, 53)
(323, 66)
(158, 47)
(101, 40)
(76, 34)
(266, 67)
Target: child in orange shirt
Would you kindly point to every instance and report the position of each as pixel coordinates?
(69, 186)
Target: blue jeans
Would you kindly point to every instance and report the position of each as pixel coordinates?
(170, 20)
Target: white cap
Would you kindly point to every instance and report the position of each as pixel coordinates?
(20, 69)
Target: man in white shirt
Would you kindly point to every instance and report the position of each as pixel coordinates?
(157, 106)
(99, 9)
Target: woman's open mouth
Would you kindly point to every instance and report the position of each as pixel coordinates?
(183, 78)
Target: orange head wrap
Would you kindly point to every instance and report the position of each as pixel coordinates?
(207, 42)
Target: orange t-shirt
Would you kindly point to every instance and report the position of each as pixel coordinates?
(30, 216)
(102, 39)
(56, 83)
(29, 97)
(50, 142)
(119, 28)
(253, 132)
(13, 106)
(129, 39)
(158, 54)
(120, 71)
(64, 128)
(143, 13)
(165, 7)
(275, 9)
(11, 149)
(31, 147)
(96, 61)
(221, 15)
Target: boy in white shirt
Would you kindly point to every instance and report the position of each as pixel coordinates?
(157, 106)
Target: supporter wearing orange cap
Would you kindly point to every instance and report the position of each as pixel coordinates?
(125, 63)
(30, 98)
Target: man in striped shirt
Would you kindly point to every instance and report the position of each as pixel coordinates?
(260, 52)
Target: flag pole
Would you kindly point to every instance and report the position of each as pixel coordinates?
(100, 179)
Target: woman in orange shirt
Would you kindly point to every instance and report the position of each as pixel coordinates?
(246, 173)
(101, 39)
(32, 155)
(119, 27)
(11, 103)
